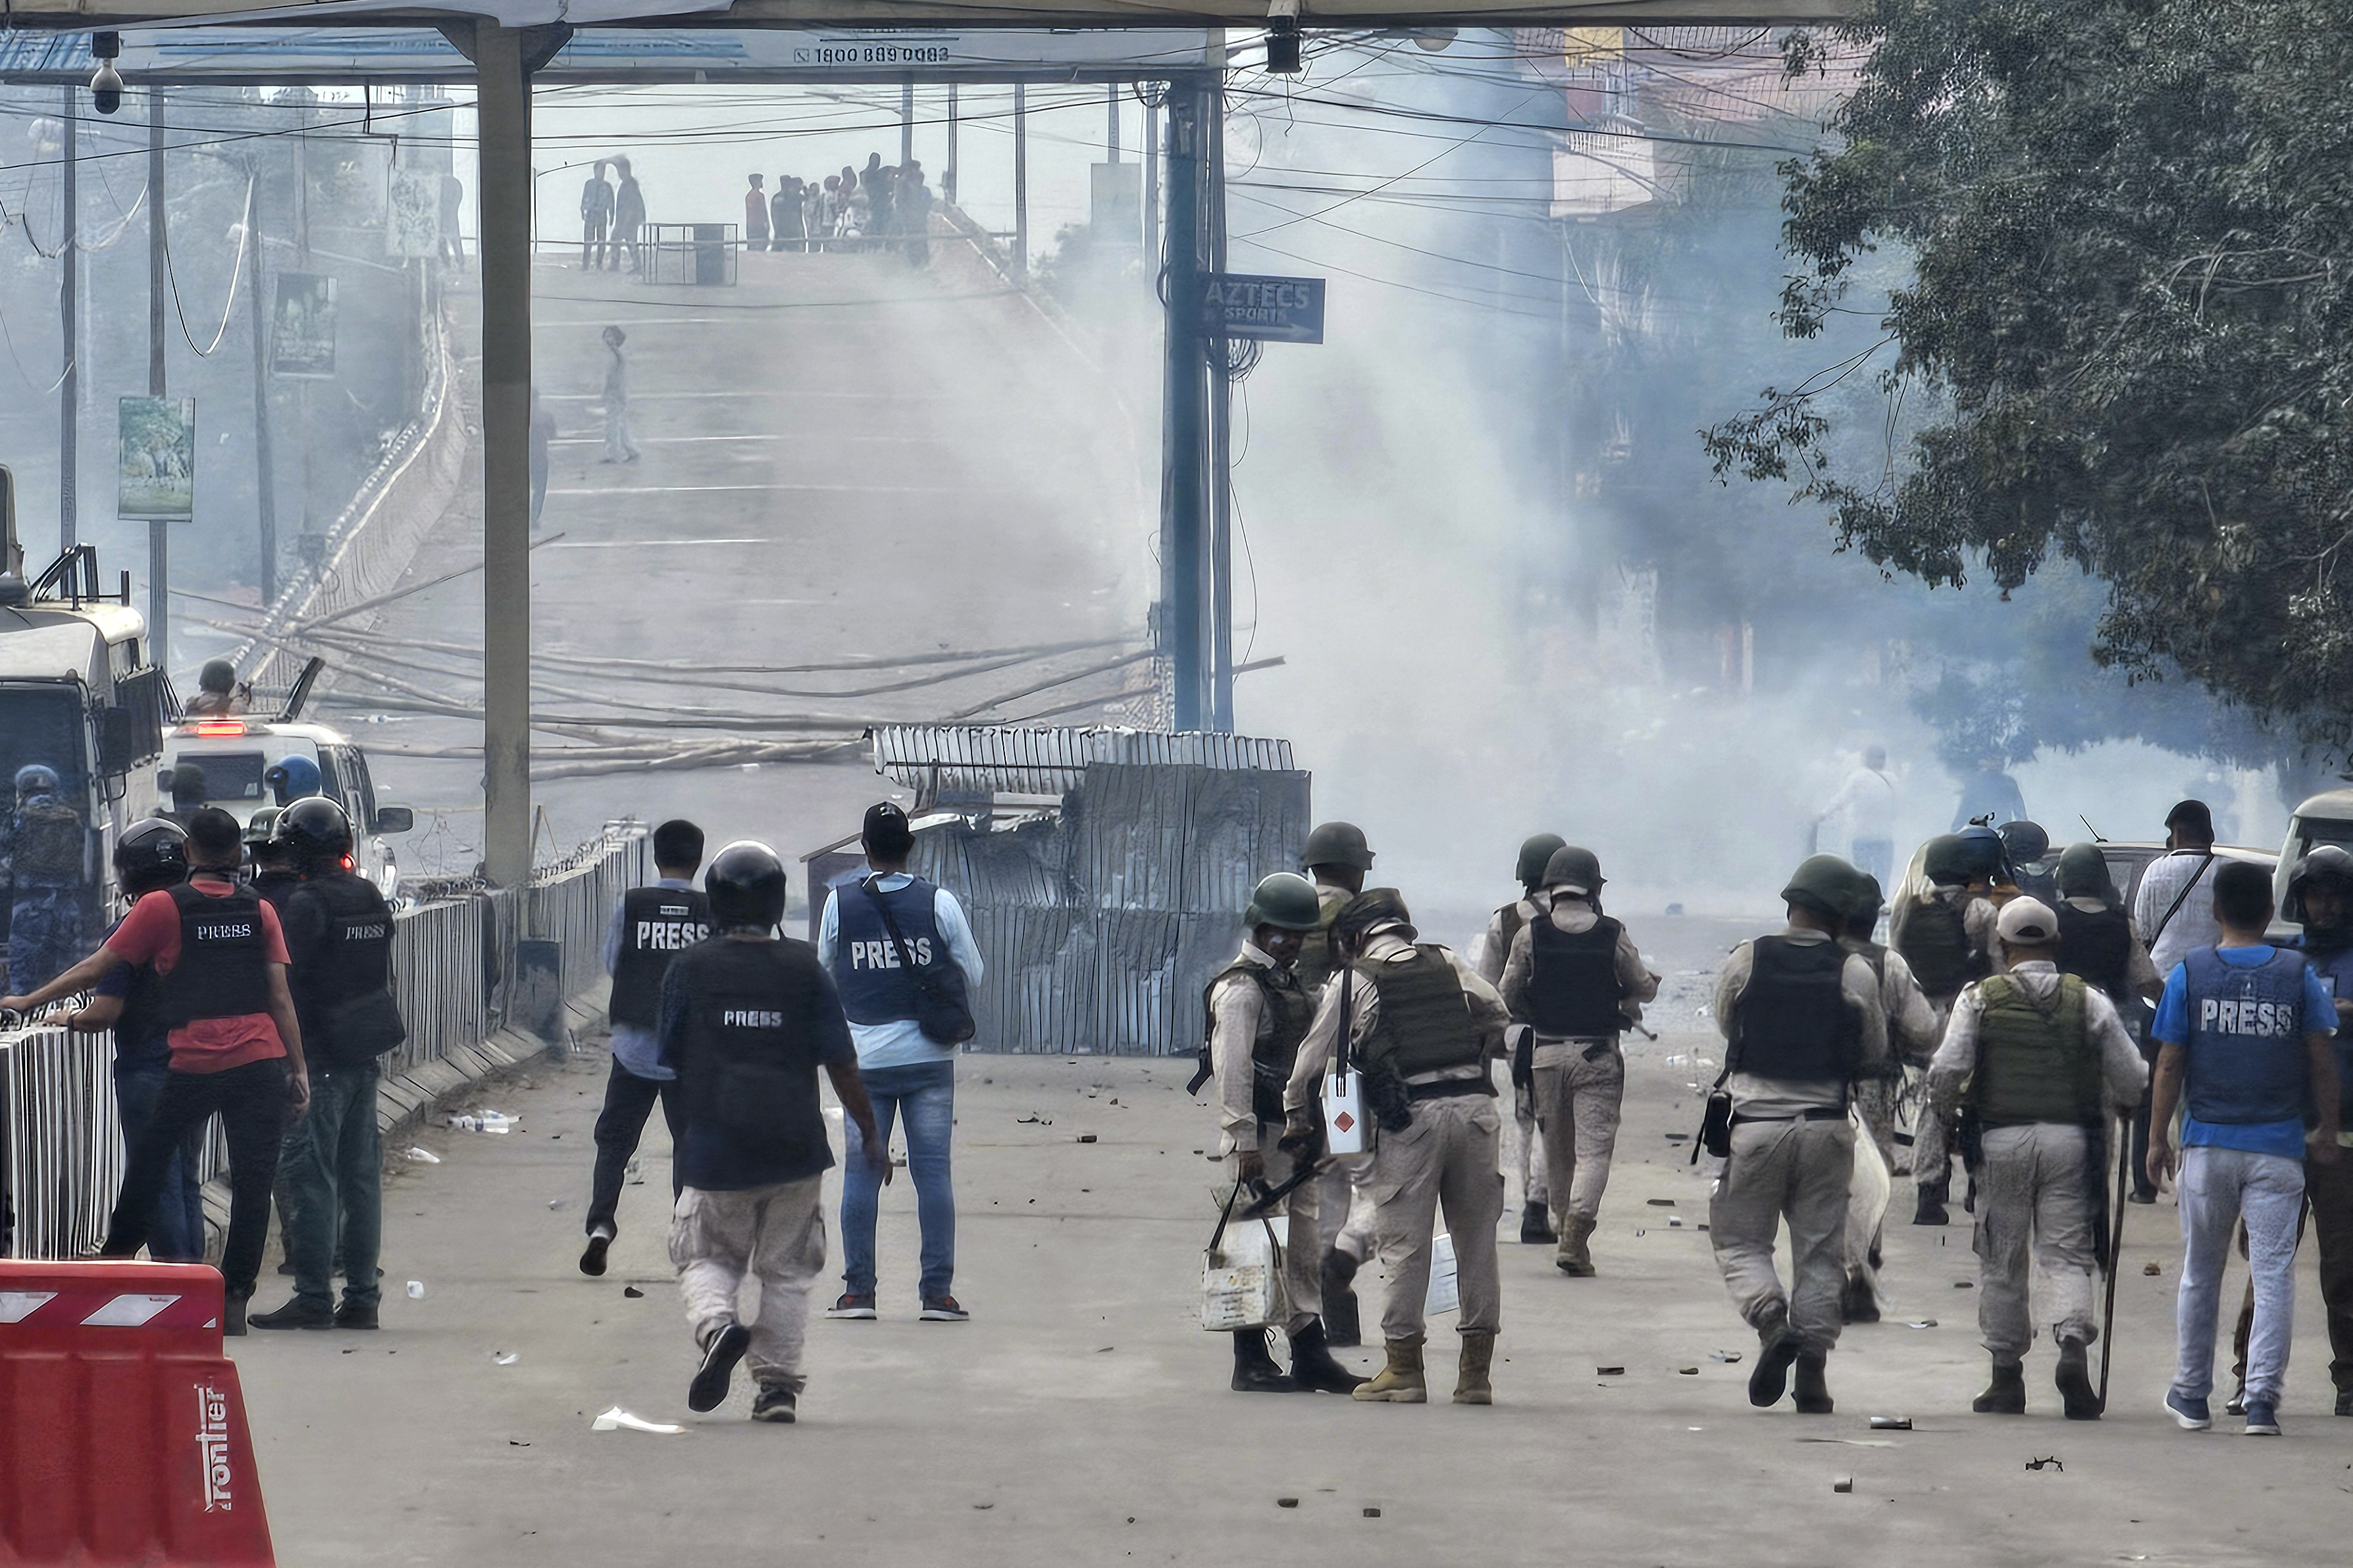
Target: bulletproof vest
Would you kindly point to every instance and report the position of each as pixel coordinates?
(1289, 1009)
(2247, 1062)
(141, 1028)
(1573, 990)
(48, 844)
(1316, 963)
(746, 1057)
(2332, 959)
(2097, 946)
(1936, 945)
(1870, 952)
(2038, 880)
(223, 971)
(1425, 1019)
(877, 986)
(1509, 921)
(2036, 1061)
(657, 925)
(1792, 1015)
(277, 887)
(357, 957)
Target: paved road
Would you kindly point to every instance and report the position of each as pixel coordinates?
(1082, 1416)
(843, 459)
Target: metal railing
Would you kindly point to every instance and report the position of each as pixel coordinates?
(61, 1149)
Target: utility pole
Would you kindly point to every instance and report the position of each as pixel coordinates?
(503, 105)
(906, 120)
(1221, 430)
(948, 175)
(1111, 109)
(159, 530)
(1150, 153)
(70, 334)
(1185, 404)
(265, 467)
(1020, 179)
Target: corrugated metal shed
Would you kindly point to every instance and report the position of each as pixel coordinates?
(1102, 926)
(963, 761)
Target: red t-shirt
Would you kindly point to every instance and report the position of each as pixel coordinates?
(150, 934)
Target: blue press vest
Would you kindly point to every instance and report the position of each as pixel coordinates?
(2246, 1038)
(876, 986)
(2336, 968)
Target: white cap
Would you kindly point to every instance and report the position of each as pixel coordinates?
(2028, 922)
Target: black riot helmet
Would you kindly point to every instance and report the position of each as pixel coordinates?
(150, 855)
(746, 887)
(315, 829)
(1367, 913)
(2326, 866)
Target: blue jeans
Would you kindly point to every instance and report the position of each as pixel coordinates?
(178, 1232)
(925, 1093)
(337, 1186)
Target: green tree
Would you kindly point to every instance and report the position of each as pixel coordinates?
(2124, 314)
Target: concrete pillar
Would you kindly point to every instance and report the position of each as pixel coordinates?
(159, 533)
(69, 331)
(503, 108)
(1183, 518)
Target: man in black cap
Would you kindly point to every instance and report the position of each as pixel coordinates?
(2173, 912)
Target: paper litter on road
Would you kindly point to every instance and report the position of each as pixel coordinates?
(416, 1289)
(616, 1420)
(505, 1358)
(423, 1157)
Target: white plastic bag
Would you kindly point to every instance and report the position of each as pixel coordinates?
(1343, 1112)
(1242, 1278)
(1443, 1295)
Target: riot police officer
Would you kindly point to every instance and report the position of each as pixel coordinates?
(339, 935)
(1337, 858)
(1494, 948)
(1945, 933)
(1421, 1027)
(43, 857)
(1257, 1013)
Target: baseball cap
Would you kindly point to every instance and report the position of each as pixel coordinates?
(2194, 814)
(2028, 921)
(885, 830)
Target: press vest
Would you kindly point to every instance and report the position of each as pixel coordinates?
(2334, 965)
(1936, 945)
(1425, 1019)
(356, 961)
(1793, 1017)
(2097, 946)
(2036, 1061)
(746, 1060)
(877, 986)
(1289, 1009)
(1573, 988)
(657, 925)
(2246, 1038)
(223, 971)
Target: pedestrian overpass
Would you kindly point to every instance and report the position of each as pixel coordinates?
(507, 45)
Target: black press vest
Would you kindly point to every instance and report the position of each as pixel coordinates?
(1573, 990)
(657, 925)
(2096, 945)
(223, 971)
(746, 1058)
(355, 962)
(1793, 1017)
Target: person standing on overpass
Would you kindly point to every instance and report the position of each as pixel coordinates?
(236, 1047)
(618, 448)
(650, 927)
(596, 217)
(878, 939)
(756, 216)
(747, 1019)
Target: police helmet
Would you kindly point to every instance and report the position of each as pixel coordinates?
(217, 676)
(1946, 859)
(151, 854)
(1337, 844)
(2025, 842)
(1535, 855)
(1286, 902)
(2083, 873)
(1984, 853)
(1367, 913)
(262, 825)
(1869, 902)
(37, 778)
(746, 886)
(313, 828)
(292, 778)
(1824, 884)
(2326, 866)
(1573, 868)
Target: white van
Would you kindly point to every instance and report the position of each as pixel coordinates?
(237, 753)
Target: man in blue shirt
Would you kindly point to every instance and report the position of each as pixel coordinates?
(906, 1071)
(650, 927)
(2245, 1030)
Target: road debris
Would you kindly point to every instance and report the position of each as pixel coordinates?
(2049, 1462)
(1891, 1423)
(422, 1157)
(1843, 1484)
(416, 1289)
(1729, 1358)
(617, 1419)
(633, 1293)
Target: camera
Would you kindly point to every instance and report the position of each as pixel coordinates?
(106, 82)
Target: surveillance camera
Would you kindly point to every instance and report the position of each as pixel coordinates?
(106, 88)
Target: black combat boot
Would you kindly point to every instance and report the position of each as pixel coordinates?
(2082, 1401)
(1859, 1303)
(2006, 1395)
(1813, 1391)
(1933, 1196)
(1311, 1366)
(1769, 1378)
(1254, 1369)
(1340, 1325)
(1535, 1226)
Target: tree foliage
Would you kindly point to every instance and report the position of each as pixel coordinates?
(2125, 309)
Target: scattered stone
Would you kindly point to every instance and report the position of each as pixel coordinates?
(1086, 1137)
(1372, 1513)
(1608, 1372)
(1922, 1324)
(633, 1293)
(1891, 1423)
(1729, 1358)
(2152, 1269)
(1286, 1502)
(2049, 1462)
(1843, 1484)
(1688, 1370)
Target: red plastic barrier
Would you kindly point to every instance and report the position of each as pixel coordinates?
(123, 1433)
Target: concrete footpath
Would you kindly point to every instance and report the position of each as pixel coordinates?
(1082, 1415)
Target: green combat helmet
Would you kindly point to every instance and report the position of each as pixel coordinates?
(1825, 884)
(1948, 859)
(1337, 844)
(1287, 901)
(1573, 868)
(1535, 855)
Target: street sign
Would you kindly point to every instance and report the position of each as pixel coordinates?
(1271, 310)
